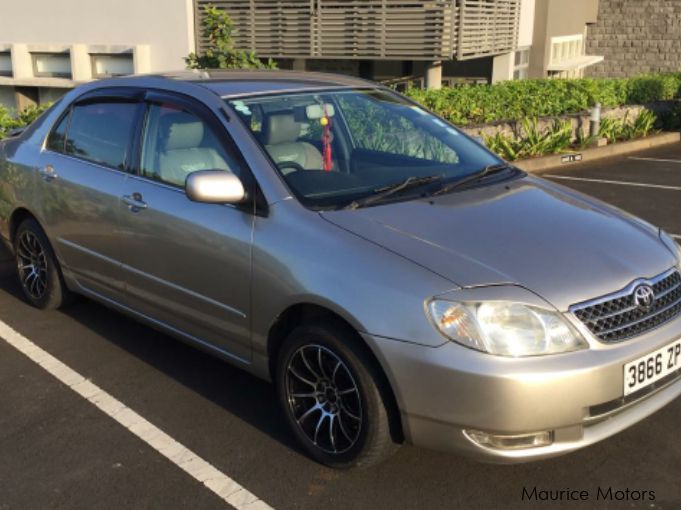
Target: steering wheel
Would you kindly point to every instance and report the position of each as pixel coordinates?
(290, 164)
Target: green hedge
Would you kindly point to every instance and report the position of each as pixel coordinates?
(515, 100)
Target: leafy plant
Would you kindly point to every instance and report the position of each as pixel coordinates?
(531, 141)
(615, 130)
(644, 124)
(10, 120)
(611, 129)
(218, 28)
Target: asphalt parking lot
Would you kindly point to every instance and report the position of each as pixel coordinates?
(57, 450)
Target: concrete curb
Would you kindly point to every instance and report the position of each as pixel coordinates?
(559, 160)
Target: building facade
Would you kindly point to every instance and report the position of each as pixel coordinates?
(636, 37)
(438, 41)
(48, 47)
(427, 43)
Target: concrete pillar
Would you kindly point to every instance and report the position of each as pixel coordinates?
(502, 67)
(299, 64)
(141, 59)
(22, 63)
(434, 75)
(25, 97)
(81, 68)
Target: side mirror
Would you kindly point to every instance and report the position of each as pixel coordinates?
(215, 187)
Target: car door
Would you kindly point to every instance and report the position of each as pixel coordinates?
(188, 264)
(84, 167)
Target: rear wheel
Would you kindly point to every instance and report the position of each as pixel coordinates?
(37, 267)
(331, 398)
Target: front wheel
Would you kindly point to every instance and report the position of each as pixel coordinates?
(330, 394)
(37, 268)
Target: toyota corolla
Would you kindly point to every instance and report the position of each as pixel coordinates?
(394, 279)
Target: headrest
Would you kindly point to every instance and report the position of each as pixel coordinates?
(181, 131)
(280, 128)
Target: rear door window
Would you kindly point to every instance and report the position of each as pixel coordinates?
(102, 132)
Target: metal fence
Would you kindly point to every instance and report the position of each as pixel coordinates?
(370, 29)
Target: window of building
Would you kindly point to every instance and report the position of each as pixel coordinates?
(521, 65)
(102, 132)
(52, 65)
(5, 64)
(108, 65)
(566, 48)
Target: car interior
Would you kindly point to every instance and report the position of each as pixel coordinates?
(178, 143)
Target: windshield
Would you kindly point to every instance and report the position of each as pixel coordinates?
(336, 147)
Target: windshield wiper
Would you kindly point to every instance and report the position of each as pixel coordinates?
(380, 194)
(488, 170)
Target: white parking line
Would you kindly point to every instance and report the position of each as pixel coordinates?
(657, 160)
(675, 236)
(622, 183)
(219, 483)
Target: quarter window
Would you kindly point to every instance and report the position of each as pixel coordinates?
(55, 141)
(101, 132)
(178, 143)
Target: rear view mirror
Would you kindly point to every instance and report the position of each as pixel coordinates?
(215, 187)
(317, 111)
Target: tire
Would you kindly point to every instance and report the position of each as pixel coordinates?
(336, 412)
(37, 268)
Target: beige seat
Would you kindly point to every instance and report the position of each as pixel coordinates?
(182, 152)
(280, 136)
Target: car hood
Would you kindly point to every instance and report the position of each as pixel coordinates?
(560, 244)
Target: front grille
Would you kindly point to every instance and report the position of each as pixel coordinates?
(617, 317)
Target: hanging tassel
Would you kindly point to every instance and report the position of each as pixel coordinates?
(326, 140)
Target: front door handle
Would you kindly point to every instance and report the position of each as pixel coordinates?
(48, 173)
(135, 202)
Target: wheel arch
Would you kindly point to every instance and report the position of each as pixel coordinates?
(17, 217)
(306, 312)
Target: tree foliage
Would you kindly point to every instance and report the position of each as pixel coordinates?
(218, 28)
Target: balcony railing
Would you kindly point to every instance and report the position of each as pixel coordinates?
(371, 29)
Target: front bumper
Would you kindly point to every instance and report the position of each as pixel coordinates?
(578, 397)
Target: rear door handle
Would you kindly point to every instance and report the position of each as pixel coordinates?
(48, 173)
(135, 202)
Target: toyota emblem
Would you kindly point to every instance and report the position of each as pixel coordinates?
(644, 297)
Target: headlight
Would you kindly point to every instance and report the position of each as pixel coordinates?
(505, 328)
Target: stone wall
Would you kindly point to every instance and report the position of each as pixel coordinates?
(578, 120)
(635, 37)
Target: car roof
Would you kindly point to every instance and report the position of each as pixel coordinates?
(233, 83)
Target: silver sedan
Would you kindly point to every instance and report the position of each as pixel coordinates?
(394, 279)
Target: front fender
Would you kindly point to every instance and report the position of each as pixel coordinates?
(300, 258)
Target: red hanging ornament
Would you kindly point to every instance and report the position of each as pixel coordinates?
(326, 140)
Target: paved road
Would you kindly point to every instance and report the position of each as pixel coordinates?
(59, 451)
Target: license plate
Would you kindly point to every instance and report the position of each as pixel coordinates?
(652, 367)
